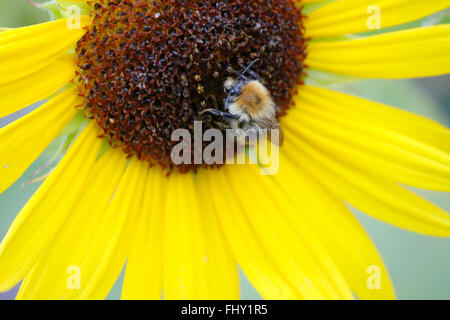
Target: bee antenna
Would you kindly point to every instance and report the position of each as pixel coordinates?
(242, 74)
(249, 66)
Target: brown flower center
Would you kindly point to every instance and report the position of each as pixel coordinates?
(150, 67)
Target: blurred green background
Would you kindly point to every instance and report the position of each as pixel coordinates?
(419, 265)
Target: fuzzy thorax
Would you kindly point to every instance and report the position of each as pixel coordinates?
(253, 102)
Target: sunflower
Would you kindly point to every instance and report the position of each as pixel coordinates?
(124, 74)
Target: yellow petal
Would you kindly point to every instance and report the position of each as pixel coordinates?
(190, 261)
(143, 273)
(114, 240)
(252, 257)
(289, 227)
(373, 147)
(22, 141)
(419, 52)
(308, 1)
(51, 276)
(26, 50)
(294, 263)
(371, 193)
(221, 265)
(350, 16)
(338, 229)
(383, 116)
(43, 214)
(37, 86)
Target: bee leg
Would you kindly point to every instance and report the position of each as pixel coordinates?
(225, 115)
(240, 75)
(255, 76)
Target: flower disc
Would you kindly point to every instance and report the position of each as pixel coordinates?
(147, 68)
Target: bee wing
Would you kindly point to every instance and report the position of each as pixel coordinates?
(274, 131)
